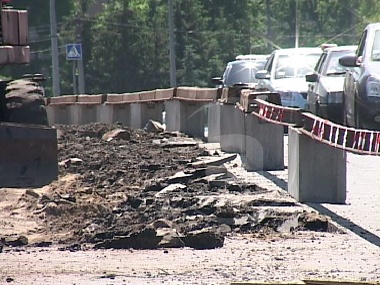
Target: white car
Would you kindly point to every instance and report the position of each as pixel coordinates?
(285, 71)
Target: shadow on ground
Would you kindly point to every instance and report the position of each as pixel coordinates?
(356, 229)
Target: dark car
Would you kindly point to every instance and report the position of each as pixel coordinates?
(324, 96)
(361, 90)
(241, 71)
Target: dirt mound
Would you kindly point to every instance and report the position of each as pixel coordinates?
(134, 189)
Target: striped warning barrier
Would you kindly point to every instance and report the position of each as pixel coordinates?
(350, 139)
(277, 114)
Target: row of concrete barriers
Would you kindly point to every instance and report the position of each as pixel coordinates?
(317, 172)
(136, 109)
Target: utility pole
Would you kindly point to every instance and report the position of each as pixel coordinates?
(80, 61)
(269, 24)
(297, 26)
(173, 69)
(54, 49)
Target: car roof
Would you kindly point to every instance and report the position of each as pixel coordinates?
(247, 61)
(251, 56)
(301, 50)
(341, 48)
(374, 25)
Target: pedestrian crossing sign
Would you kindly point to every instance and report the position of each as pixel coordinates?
(73, 51)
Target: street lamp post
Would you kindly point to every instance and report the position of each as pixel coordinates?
(54, 49)
(173, 71)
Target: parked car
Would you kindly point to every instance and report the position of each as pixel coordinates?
(361, 89)
(324, 96)
(285, 73)
(241, 71)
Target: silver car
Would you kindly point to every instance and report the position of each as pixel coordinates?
(324, 97)
(285, 71)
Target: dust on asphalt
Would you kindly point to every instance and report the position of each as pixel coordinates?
(137, 189)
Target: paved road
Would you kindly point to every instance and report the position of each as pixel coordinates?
(361, 213)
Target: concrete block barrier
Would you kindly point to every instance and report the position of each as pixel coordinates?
(10, 24)
(131, 97)
(142, 112)
(88, 109)
(232, 129)
(91, 99)
(175, 116)
(186, 93)
(65, 99)
(164, 94)
(186, 116)
(213, 122)
(231, 95)
(188, 112)
(115, 109)
(148, 96)
(60, 109)
(207, 94)
(264, 145)
(317, 171)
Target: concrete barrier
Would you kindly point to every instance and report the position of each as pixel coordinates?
(317, 171)
(213, 122)
(145, 109)
(232, 129)
(60, 109)
(87, 109)
(115, 109)
(141, 113)
(186, 93)
(264, 145)
(164, 94)
(187, 112)
(207, 94)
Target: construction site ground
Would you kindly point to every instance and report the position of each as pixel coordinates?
(137, 207)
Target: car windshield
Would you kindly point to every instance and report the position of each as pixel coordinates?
(333, 65)
(242, 72)
(295, 65)
(375, 54)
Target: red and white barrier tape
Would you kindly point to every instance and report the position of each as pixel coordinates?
(350, 139)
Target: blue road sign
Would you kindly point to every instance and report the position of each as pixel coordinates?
(74, 51)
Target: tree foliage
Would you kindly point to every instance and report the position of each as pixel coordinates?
(126, 43)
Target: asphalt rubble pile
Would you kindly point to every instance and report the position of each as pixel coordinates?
(139, 189)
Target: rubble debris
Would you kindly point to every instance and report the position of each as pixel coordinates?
(204, 239)
(117, 134)
(154, 127)
(139, 193)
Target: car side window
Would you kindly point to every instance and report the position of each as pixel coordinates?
(360, 50)
(375, 54)
(269, 64)
(225, 74)
(319, 66)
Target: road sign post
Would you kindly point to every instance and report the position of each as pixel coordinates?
(74, 51)
(74, 54)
